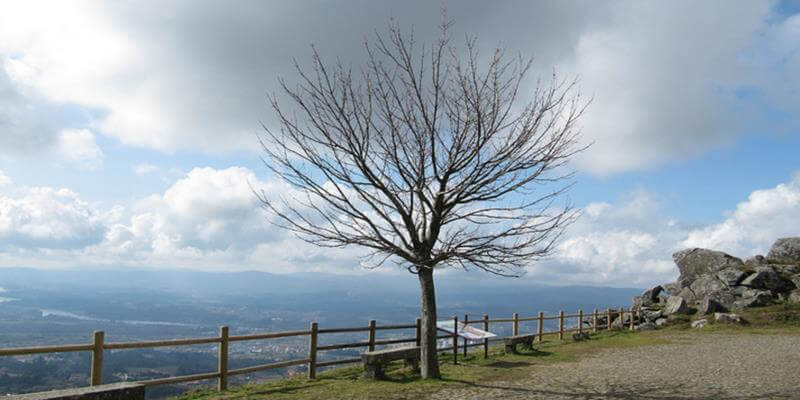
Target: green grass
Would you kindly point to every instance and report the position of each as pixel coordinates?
(777, 319)
(347, 383)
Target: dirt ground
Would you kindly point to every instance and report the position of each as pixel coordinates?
(708, 366)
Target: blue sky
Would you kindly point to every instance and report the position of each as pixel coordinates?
(127, 131)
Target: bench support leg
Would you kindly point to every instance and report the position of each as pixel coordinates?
(413, 363)
(373, 371)
(511, 349)
(528, 344)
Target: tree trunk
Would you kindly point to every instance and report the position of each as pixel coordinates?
(429, 362)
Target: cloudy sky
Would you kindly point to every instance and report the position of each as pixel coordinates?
(128, 129)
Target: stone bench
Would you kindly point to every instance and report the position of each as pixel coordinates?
(512, 342)
(375, 360)
(113, 391)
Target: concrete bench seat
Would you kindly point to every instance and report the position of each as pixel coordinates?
(512, 342)
(113, 391)
(374, 361)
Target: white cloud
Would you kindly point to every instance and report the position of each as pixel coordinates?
(210, 219)
(624, 244)
(4, 179)
(665, 76)
(46, 218)
(751, 229)
(145, 168)
(78, 147)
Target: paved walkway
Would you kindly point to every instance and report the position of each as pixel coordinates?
(708, 366)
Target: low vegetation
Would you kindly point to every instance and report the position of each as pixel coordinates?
(347, 383)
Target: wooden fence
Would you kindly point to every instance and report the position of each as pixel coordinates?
(98, 345)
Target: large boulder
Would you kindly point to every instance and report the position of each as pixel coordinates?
(706, 284)
(785, 249)
(650, 296)
(725, 297)
(676, 305)
(766, 278)
(753, 298)
(688, 295)
(710, 305)
(695, 262)
(731, 276)
(672, 289)
(651, 315)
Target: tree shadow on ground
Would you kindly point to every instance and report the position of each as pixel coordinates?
(508, 364)
(576, 390)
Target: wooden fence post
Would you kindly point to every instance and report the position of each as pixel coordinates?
(515, 326)
(539, 326)
(466, 320)
(455, 340)
(580, 321)
(419, 331)
(371, 338)
(222, 381)
(608, 320)
(486, 341)
(312, 351)
(561, 325)
(594, 321)
(97, 359)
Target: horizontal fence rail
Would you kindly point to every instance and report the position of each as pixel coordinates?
(98, 346)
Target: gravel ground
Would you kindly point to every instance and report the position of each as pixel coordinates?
(708, 366)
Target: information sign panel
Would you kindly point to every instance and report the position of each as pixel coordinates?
(465, 331)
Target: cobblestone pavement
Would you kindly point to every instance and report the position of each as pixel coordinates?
(708, 366)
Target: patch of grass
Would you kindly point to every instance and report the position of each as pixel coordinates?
(782, 318)
(347, 383)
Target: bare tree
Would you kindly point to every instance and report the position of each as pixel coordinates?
(425, 157)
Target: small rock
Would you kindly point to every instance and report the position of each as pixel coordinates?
(794, 296)
(785, 249)
(580, 336)
(728, 318)
(700, 323)
(647, 326)
(676, 305)
(661, 321)
(755, 261)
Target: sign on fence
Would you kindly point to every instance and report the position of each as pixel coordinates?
(465, 331)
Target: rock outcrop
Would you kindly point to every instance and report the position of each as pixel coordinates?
(713, 282)
(695, 262)
(785, 249)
